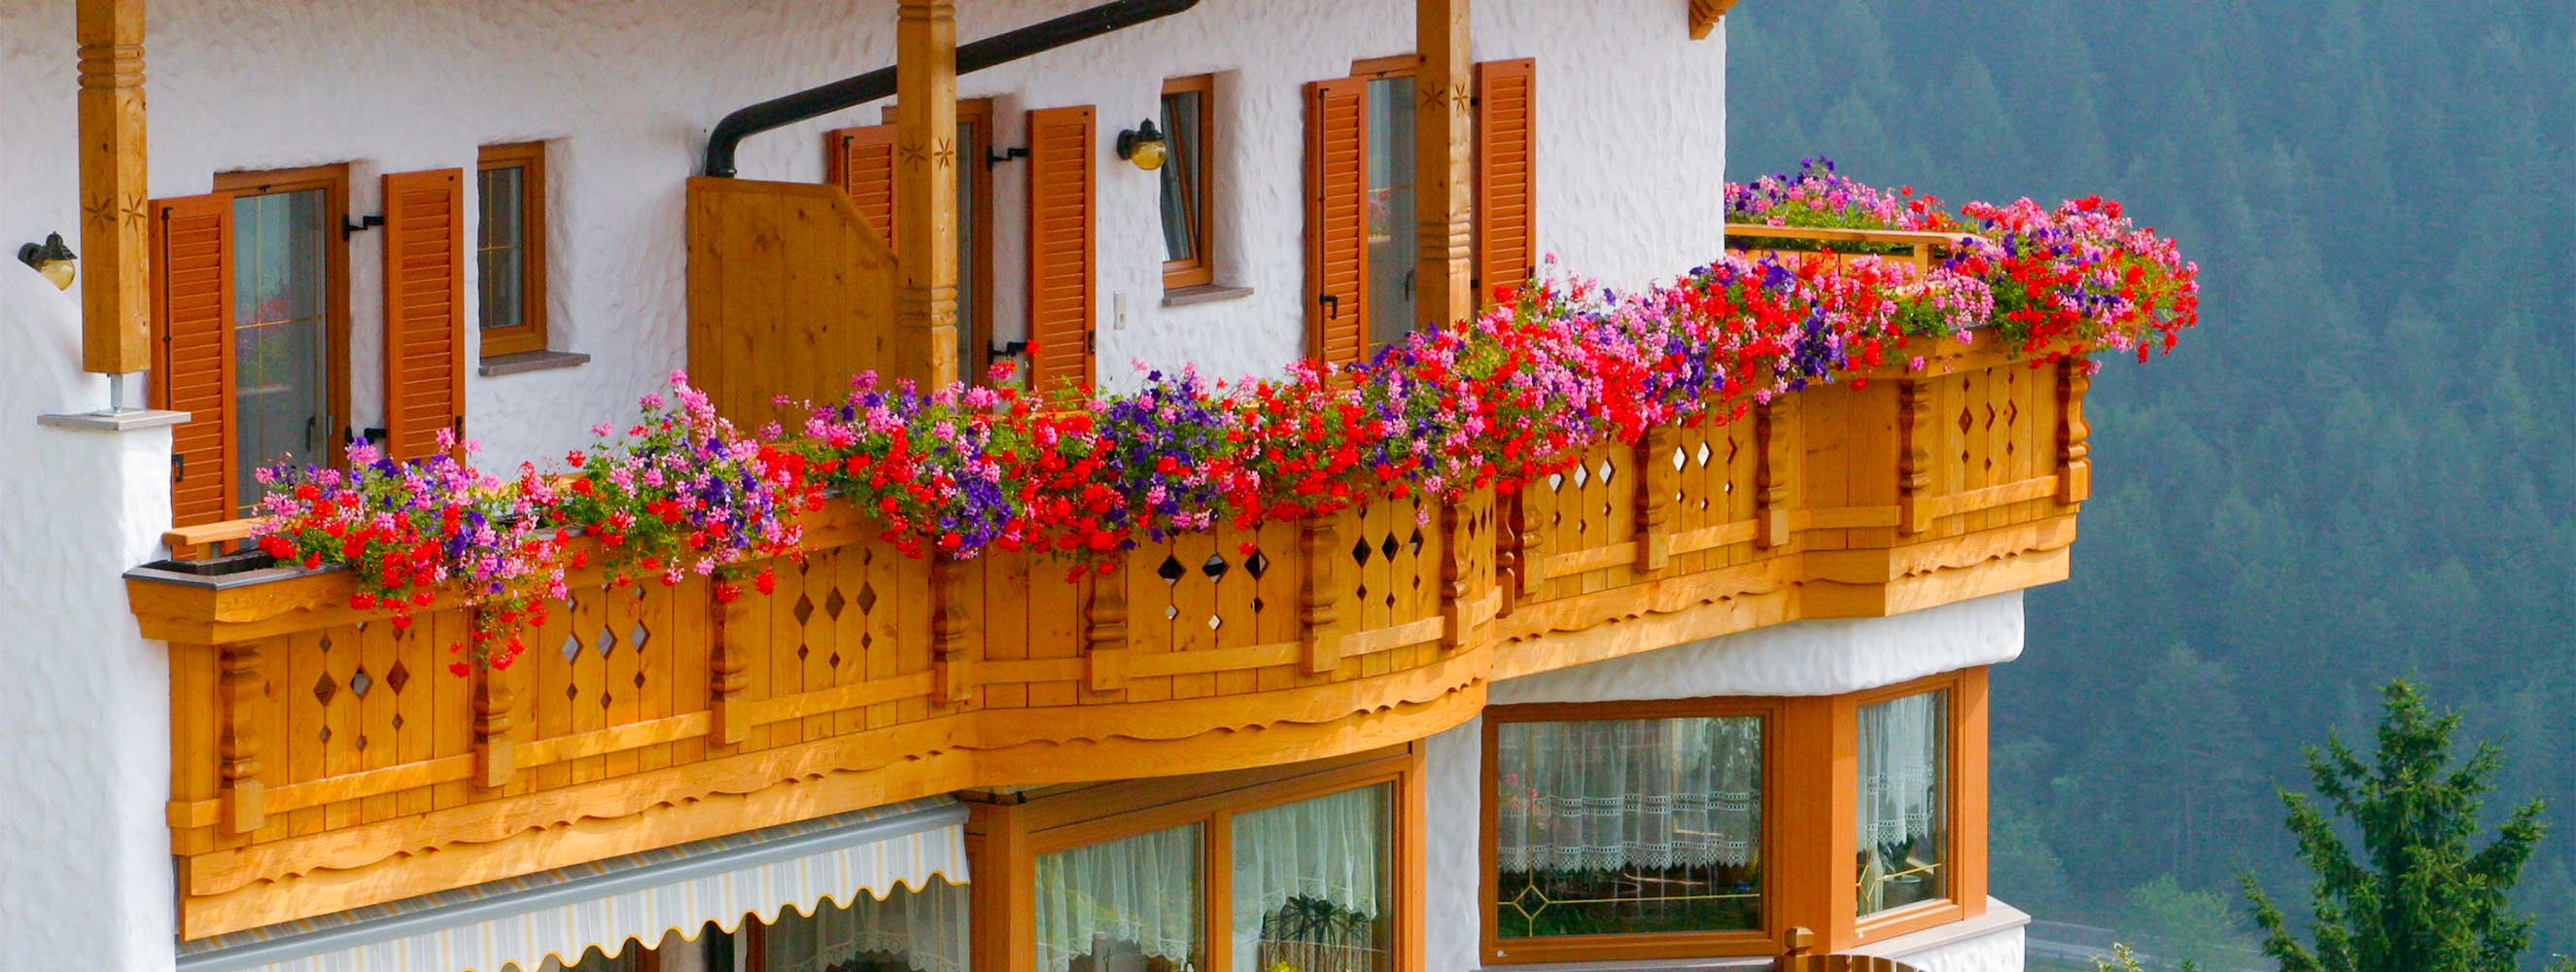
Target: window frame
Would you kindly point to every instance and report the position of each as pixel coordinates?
(1963, 859)
(531, 334)
(1199, 269)
(333, 181)
(1674, 945)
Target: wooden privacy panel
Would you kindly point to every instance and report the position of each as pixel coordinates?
(192, 362)
(861, 162)
(1506, 167)
(424, 310)
(791, 292)
(1337, 219)
(1063, 276)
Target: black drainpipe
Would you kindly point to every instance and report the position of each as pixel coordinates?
(999, 49)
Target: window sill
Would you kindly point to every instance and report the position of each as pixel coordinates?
(1203, 294)
(527, 361)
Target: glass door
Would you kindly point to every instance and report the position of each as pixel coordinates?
(288, 295)
(1392, 245)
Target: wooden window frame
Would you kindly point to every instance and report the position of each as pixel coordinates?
(1199, 269)
(333, 180)
(1964, 733)
(1671, 945)
(1012, 831)
(978, 268)
(530, 335)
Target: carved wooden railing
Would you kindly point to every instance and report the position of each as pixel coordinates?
(323, 759)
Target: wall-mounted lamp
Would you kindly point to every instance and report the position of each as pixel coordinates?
(1143, 146)
(52, 259)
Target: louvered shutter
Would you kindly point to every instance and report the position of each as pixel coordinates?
(424, 310)
(192, 365)
(1337, 219)
(1062, 214)
(861, 162)
(1506, 205)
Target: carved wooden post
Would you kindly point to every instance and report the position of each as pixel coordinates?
(1319, 605)
(1507, 551)
(1914, 431)
(115, 237)
(2074, 451)
(1533, 545)
(1443, 173)
(925, 190)
(1775, 470)
(726, 663)
(1657, 482)
(1457, 521)
(496, 708)
(1104, 637)
(245, 732)
(952, 633)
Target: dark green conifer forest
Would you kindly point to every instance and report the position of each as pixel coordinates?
(2361, 466)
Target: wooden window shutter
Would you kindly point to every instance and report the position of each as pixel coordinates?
(1063, 207)
(192, 363)
(861, 162)
(1506, 155)
(424, 310)
(1337, 219)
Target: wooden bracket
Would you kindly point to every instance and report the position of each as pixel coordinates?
(496, 702)
(1771, 478)
(952, 634)
(1915, 431)
(1457, 526)
(1104, 636)
(2074, 434)
(726, 681)
(1658, 486)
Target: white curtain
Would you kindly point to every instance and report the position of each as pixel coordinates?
(1331, 849)
(1902, 744)
(1648, 794)
(1140, 893)
(926, 929)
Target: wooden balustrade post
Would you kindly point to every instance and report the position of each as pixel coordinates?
(1104, 637)
(1455, 523)
(1532, 560)
(952, 633)
(2074, 448)
(1319, 605)
(1443, 167)
(245, 733)
(1775, 471)
(726, 681)
(115, 237)
(925, 190)
(1507, 551)
(1914, 432)
(496, 715)
(1658, 484)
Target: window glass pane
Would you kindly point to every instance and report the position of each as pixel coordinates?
(1631, 826)
(1391, 229)
(502, 255)
(1128, 905)
(1310, 885)
(1904, 801)
(281, 333)
(1181, 176)
(907, 931)
(970, 355)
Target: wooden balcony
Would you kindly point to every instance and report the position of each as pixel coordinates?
(322, 760)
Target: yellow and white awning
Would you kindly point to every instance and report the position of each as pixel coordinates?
(606, 904)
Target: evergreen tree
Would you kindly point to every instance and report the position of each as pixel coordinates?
(2418, 899)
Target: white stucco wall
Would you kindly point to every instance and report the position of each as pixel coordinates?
(1632, 135)
(1801, 658)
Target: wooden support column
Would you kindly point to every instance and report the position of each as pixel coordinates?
(727, 679)
(2074, 434)
(1658, 480)
(1508, 514)
(1104, 638)
(1319, 605)
(1914, 431)
(245, 732)
(115, 236)
(1444, 186)
(496, 716)
(1773, 424)
(952, 633)
(1456, 521)
(925, 192)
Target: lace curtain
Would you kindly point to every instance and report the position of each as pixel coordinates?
(924, 929)
(1902, 755)
(1640, 793)
(1134, 896)
(1330, 851)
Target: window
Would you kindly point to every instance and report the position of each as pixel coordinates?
(1394, 256)
(290, 319)
(1187, 182)
(908, 930)
(1311, 889)
(1904, 814)
(510, 254)
(1127, 905)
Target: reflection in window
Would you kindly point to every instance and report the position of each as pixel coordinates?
(906, 931)
(502, 255)
(1904, 801)
(1127, 905)
(1392, 253)
(1182, 175)
(1310, 885)
(281, 336)
(1632, 826)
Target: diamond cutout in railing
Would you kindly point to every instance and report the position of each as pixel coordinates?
(325, 734)
(1731, 450)
(1257, 605)
(1703, 453)
(637, 637)
(362, 744)
(1171, 612)
(1216, 567)
(1416, 542)
(866, 640)
(639, 679)
(359, 683)
(802, 651)
(2011, 412)
(397, 677)
(1990, 416)
(1387, 546)
(607, 642)
(1967, 419)
(1170, 570)
(1555, 482)
(572, 691)
(323, 690)
(832, 603)
(867, 598)
(1215, 622)
(1581, 476)
(834, 661)
(1681, 460)
(804, 608)
(604, 699)
(326, 644)
(398, 720)
(1360, 551)
(1607, 471)
(1258, 564)
(571, 648)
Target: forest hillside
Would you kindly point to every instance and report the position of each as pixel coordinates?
(2361, 466)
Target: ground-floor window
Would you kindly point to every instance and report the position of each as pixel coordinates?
(1127, 905)
(1904, 817)
(1310, 885)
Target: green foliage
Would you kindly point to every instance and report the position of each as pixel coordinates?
(2417, 898)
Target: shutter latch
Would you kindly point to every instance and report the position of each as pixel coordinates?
(1333, 302)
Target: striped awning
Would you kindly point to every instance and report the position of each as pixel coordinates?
(605, 904)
